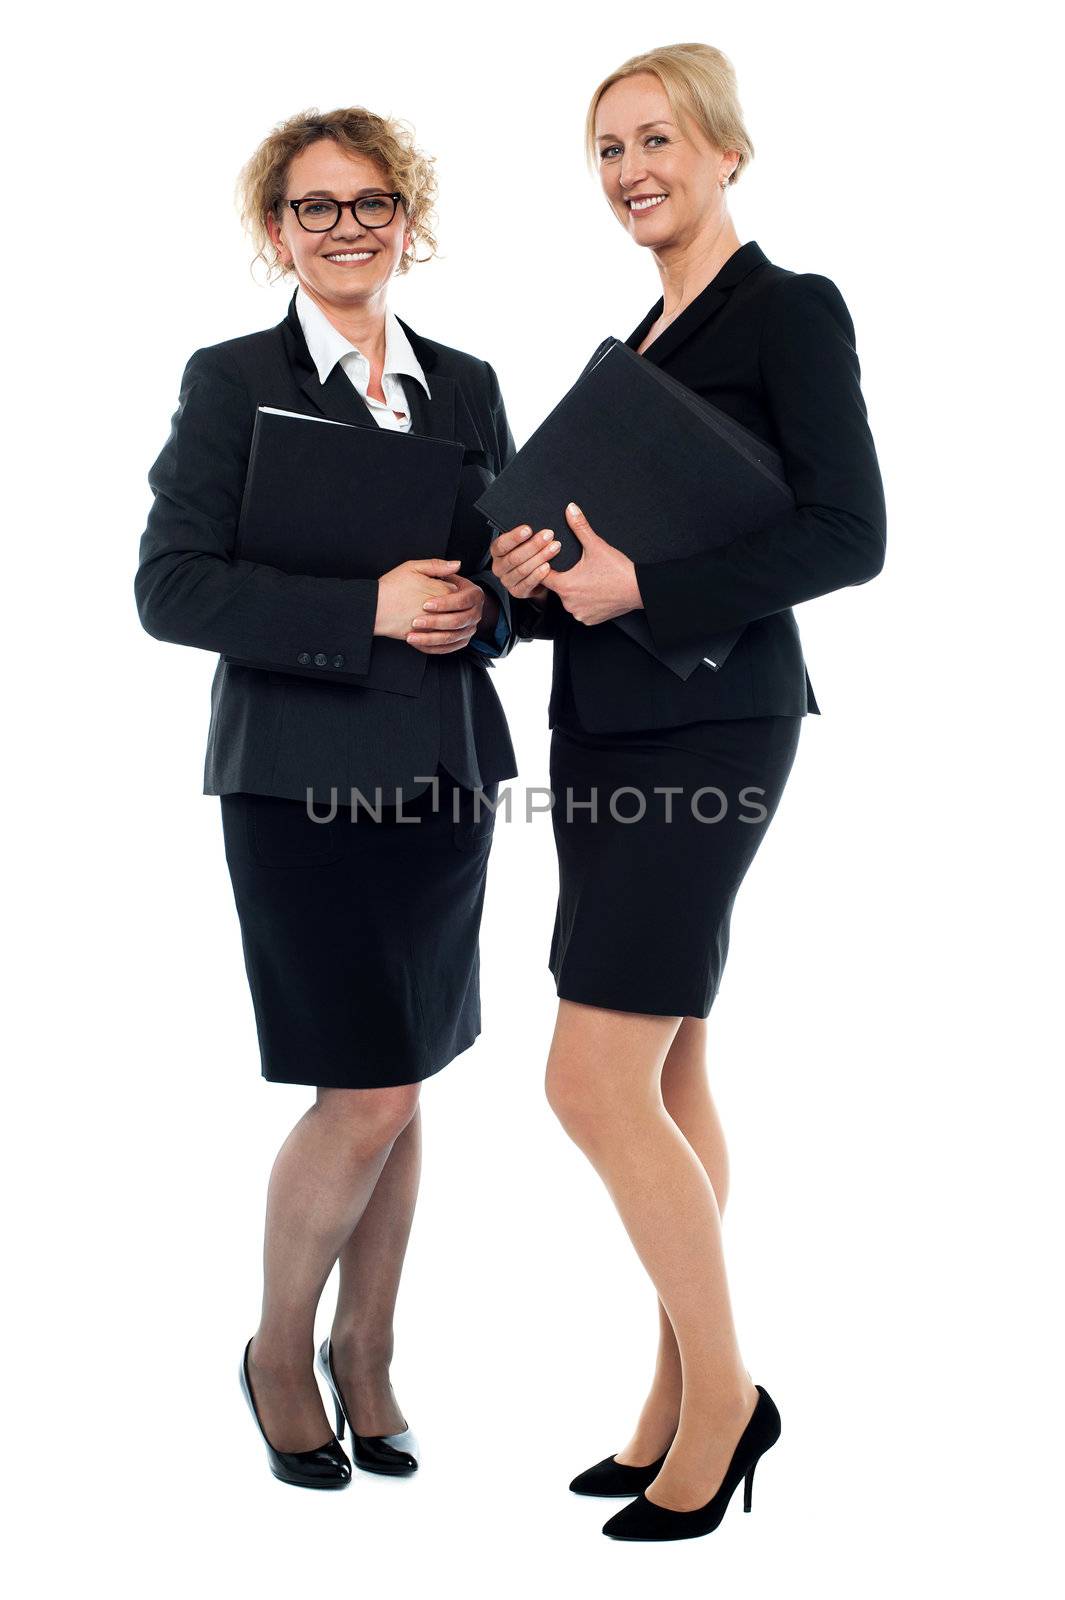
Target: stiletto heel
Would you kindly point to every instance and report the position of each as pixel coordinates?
(325, 1467)
(386, 1453)
(643, 1519)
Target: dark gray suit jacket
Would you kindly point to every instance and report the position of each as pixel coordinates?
(774, 349)
(271, 731)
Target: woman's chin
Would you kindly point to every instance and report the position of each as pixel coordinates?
(651, 238)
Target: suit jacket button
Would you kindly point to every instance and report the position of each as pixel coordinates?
(319, 660)
(304, 659)
(338, 661)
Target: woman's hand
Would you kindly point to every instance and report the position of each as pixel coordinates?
(403, 591)
(603, 583)
(455, 618)
(520, 561)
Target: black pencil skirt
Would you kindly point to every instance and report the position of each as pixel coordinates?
(361, 936)
(648, 880)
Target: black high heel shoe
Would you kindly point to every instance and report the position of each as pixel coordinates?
(642, 1519)
(387, 1453)
(611, 1477)
(324, 1467)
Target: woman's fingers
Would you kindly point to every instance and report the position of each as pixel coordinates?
(532, 555)
(530, 573)
(522, 566)
(513, 550)
(438, 643)
(461, 607)
(461, 617)
(504, 543)
(528, 585)
(436, 566)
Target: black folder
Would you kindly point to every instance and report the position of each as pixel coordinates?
(339, 500)
(657, 470)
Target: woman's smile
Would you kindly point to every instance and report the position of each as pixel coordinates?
(350, 258)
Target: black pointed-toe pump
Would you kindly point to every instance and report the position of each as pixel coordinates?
(642, 1519)
(324, 1467)
(613, 1478)
(387, 1453)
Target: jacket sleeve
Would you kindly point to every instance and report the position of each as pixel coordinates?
(526, 619)
(538, 619)
(503, 451)
(835, 533)
(190, 588)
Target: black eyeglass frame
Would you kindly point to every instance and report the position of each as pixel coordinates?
(341, 207)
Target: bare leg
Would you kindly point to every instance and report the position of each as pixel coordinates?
(371, 1264)
(687, 1098)
(321, 1182)
(604, 1083)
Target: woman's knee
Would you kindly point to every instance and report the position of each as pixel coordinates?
(370, 1119)
(576, 1099)
(604, 1069)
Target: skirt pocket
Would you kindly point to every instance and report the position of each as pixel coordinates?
(282, 833)
(476, 817)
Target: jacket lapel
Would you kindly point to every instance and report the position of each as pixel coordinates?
(702, 309)
(432, 413)
(337, 398)
(442, 414)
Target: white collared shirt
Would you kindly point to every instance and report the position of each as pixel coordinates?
(327, 346)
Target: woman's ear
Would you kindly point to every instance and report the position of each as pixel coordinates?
(274, 230)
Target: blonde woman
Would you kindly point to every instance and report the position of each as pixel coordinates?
(360, 933)
(642, 928)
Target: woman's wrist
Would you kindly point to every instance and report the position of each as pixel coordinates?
(489, 616)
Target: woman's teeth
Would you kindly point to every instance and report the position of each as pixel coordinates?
(645, 203)
(358, 255)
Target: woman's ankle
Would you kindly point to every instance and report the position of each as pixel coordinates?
(279, 1357)
(369, 1349)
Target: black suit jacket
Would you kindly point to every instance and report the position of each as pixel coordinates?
(274, 732)
(774, 349)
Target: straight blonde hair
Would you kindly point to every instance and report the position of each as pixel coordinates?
(700, 85)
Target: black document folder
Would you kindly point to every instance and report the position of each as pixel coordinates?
(657, 470)
(338, 500)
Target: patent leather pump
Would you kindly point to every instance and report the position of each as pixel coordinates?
(611, 1477)
(642, 1519)
(387, 1453)
(324, 1467)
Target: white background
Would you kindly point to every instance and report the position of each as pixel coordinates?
(881, 1050)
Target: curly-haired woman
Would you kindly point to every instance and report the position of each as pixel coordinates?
(360, 934)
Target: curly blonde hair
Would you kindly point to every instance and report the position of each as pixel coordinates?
(386, 140)
(700, 85)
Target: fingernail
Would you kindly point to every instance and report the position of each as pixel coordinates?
(574, 508)
(549, 533)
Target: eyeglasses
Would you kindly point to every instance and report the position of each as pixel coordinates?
(318, 215)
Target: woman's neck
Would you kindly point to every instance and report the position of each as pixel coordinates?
(687, 271)
(363, 323)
